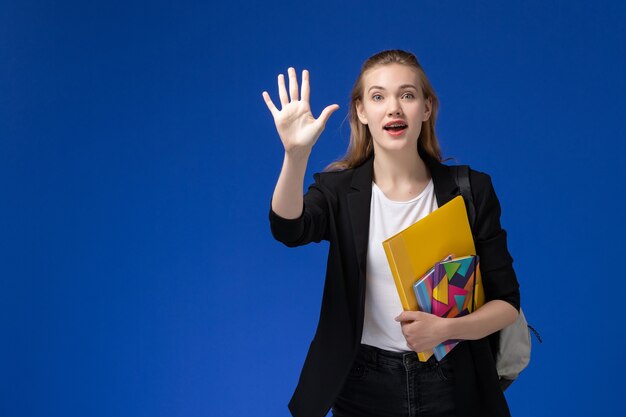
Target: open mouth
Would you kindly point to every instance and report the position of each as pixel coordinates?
(395, 127)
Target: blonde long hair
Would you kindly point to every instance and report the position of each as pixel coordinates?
(361, 146)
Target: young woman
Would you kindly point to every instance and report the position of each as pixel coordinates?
(362, 360)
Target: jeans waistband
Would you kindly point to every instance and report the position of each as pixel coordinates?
(405, 360)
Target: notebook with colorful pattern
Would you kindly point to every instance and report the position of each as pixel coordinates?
(452, 288)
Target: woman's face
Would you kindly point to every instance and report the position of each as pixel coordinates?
(393, 107)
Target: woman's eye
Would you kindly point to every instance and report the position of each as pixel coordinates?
(377, 97)
(409, 95)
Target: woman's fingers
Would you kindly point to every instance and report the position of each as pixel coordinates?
(282, 90)
(306, 88)
(293, 92)
(293, 84)
(269, 103)
(410, 316)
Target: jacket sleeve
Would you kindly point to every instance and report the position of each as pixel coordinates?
(496, 263)
(311, 226)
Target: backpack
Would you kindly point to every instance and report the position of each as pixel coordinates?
(513, 342)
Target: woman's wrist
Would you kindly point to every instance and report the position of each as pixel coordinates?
(491, 317)
(447, 328)
(298, 155)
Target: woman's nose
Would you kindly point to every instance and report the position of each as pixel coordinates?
(394, 108)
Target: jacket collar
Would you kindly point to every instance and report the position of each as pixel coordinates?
(445, 185)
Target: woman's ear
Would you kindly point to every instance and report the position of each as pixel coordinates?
(428, 108)
(359, 112)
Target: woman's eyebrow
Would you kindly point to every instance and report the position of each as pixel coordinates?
(400, 88)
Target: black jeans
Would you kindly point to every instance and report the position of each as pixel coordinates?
(396, 384)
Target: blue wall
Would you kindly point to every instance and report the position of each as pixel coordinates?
(138, 276)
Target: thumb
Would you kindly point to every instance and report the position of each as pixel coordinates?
(327, 112)
(409, 316)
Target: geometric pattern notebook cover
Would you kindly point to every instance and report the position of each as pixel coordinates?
(451, 288)
(456, 291)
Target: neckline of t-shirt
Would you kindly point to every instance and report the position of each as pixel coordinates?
(414, 199)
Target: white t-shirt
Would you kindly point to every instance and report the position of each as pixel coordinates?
(382, 303)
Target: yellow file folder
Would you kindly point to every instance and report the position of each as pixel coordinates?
(414, 250)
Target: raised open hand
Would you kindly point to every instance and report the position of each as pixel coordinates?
(296, 126)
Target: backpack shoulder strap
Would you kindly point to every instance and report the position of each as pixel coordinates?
(463, 181)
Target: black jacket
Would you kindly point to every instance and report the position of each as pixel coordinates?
(337, 209)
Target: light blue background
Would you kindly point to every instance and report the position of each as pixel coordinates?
(138, 276)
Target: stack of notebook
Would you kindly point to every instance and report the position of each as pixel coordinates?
(449, 289)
